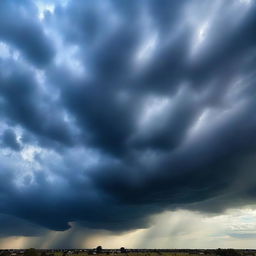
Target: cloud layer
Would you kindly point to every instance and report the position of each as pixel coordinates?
(112, 112)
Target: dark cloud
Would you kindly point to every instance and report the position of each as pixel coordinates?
(9, 140)
(24, 32)
(12, 226)
(143, 106)
(23, 103)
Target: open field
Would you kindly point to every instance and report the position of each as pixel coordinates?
(128, 252)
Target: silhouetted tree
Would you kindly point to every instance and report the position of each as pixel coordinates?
(99, 249)
(122, 250)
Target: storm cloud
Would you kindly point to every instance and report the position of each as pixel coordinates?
(113, 111)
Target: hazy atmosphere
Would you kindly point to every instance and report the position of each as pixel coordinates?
(127, 123)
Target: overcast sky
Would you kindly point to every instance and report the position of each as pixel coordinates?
(127, 123)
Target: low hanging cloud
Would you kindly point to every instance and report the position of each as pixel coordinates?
(112, 112)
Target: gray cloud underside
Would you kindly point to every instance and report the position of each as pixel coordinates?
(137, 106)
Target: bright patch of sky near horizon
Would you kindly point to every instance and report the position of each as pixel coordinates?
(235, 228)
